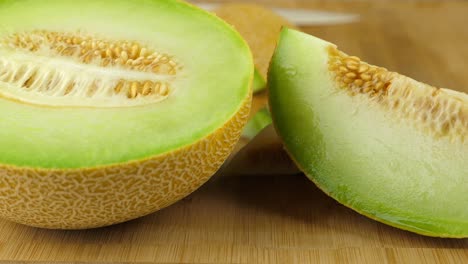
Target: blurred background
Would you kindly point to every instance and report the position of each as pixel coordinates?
(426, 40)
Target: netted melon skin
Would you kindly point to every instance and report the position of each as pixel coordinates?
(96, 197)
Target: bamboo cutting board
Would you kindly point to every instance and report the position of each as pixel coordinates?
(283, 219)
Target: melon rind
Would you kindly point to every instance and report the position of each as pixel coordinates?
(95, 197)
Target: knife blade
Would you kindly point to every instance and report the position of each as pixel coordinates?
(303, 17)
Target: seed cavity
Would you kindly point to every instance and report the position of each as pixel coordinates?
(433, 110)
(358, 77)
(76, 69)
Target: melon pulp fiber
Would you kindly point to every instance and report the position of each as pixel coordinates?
(110, 110)
(387, 146)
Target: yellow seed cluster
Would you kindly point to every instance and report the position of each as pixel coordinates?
(430, 109)
(357, 76)
(130, 55)
(126, 55)
(135, 89)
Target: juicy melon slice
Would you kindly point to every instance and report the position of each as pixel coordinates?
(110, 110)
(385, 145)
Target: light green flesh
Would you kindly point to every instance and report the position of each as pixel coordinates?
(257, 123)
(74, 137)
(358, 154)
(259, 83)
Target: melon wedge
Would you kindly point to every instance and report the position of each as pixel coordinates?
(385, 145)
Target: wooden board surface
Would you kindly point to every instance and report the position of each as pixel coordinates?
(283, 219)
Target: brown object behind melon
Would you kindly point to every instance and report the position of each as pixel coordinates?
(259, 26)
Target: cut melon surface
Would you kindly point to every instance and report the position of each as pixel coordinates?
(110, 110)
(387, 146)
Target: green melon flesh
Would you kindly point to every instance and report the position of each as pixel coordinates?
(257, 123)
(398, 155)
(209, 52)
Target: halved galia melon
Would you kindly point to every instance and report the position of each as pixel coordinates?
(110, 110)
(389, 147)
